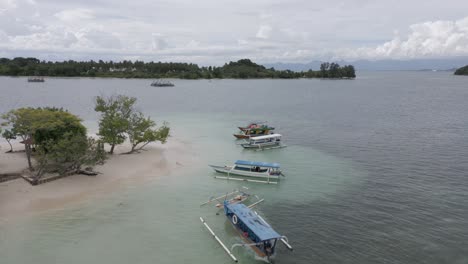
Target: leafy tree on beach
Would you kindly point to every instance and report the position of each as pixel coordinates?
(120, 119)
(69, 154)
(115, 115)
(54, 137)
(8, 135)
(141, 131)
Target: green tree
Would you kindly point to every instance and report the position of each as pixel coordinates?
(8, 135)
(462, 71)
(141, 130)
(38, 127)
(115, 114)
(68, 154)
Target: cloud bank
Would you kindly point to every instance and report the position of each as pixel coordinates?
(215, 31)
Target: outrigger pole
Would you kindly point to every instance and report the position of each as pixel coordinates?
(219, 241)
(283, 239)
(254, 204)
(247, 180)
(214, 199)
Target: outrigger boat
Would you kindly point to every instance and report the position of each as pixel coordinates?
(161, 83)
(254, 132)
(263, 142)
(255, 232)
(236, 196)
(35, 79)
(253, 125)
(245, 168)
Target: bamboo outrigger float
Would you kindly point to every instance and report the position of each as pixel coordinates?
(255, 232)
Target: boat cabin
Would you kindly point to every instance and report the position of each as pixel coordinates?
(265, 139)
(253, 228)
(255, 166)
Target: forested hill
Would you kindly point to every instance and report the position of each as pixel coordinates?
(242, 69)
(462, 71)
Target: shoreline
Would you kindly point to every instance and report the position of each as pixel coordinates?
(18, 197)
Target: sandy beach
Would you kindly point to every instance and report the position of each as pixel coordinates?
(18, 197)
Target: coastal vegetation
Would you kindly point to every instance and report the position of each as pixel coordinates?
(462, 71)
(56, 142)
(242, 69)
(119, 120)
(55, 138)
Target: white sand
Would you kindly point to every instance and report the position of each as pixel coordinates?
(18, 197)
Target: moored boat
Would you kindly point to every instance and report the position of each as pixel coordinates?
(161, 83)
(252, 125)
(254, 230)
(254, 132)
(263, 142)
(251, 169)
(35, 79)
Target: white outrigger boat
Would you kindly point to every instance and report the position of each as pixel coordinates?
(264, 142)
(264, 170)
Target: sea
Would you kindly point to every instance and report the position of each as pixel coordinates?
(376, 171)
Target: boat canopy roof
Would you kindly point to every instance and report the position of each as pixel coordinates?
(257, 163)
(253, 222)
(266, 137)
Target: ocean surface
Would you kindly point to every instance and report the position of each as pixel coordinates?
(376, 172)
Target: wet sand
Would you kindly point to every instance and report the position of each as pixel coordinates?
(17, 197)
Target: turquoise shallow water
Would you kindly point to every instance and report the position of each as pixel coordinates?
(375, 172)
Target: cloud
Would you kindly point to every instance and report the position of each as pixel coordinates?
(264, 32)
(6, 5)
(75, 15)
(442, 38)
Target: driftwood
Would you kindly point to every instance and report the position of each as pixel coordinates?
(88, 172)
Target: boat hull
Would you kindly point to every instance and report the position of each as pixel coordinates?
(228, 170)
(261, 145)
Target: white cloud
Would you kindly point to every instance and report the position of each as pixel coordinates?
(440, 38)
(75, 15)
(264, 32)
(7, 5)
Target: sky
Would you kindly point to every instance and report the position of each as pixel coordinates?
(217, 31)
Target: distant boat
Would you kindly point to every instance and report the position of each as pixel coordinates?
(161, 83)
(255, 131)
(36, 79)
(253, 125)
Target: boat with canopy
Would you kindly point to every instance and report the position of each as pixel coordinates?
(254, 231)
(265, 170)
(254, 132)
(263, 142)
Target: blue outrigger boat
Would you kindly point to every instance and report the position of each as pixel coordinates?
(253, 230)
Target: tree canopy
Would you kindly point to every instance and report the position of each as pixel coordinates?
(241, 69)
(51, 131)
(119, 120)
(462, 71)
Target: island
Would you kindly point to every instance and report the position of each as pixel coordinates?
(462, 71)
(241, 69)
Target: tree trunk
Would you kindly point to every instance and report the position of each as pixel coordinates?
(27, 149)
(11, 147)
(112, 149)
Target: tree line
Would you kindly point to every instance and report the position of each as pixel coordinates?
(241, 69)
(462, 71)
(55, 141)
